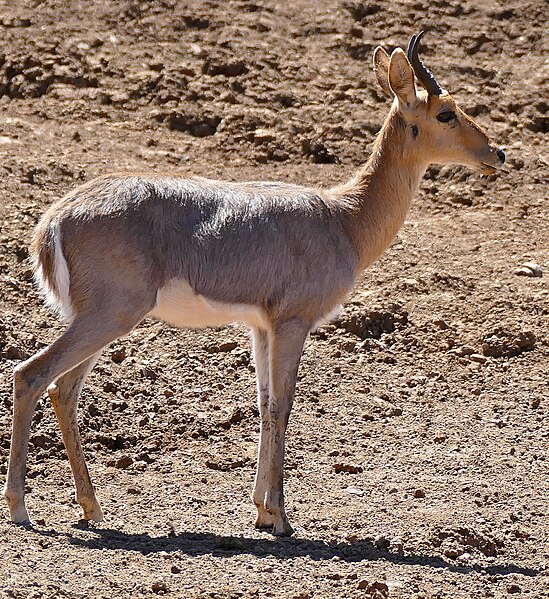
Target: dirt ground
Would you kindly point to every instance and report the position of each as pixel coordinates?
(417, 459)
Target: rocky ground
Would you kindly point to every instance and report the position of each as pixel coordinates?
(417, 461)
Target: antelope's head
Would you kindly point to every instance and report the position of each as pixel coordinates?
(437, 130)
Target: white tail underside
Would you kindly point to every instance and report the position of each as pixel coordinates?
(58, 300)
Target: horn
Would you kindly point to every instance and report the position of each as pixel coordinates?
(426, 78)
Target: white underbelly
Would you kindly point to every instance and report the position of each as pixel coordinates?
(178, 304)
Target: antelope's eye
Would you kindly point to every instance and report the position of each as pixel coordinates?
(446, 116)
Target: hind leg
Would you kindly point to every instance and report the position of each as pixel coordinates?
(86, 336)
(64, 395)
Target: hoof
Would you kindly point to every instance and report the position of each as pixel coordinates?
(22, 523)
(263, 527)
(276, 525)
(20, 516)
(283, 530)
(93, 514)
(265, 521)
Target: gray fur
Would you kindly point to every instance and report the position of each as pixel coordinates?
(267, 244)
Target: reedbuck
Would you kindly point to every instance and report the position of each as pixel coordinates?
(197, 253)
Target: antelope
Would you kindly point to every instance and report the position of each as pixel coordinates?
(196, 253)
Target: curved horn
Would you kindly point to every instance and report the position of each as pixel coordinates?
(426, 78)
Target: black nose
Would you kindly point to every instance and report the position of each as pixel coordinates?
(501, 155)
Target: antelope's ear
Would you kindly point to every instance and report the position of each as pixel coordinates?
(381, 69)
(401, 79)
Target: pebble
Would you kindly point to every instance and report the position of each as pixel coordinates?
(12, 352)
(159, 587)
(118, 355)
(351, 468)
(197, 50)
(149, 373)
(451, 552)
(529, 269)
(221, 347)
(462, 352)
(352, 538)
(123, 462)
(39, 440)
(382, 543)
(478, 358)
(375, 589)
(261, 136)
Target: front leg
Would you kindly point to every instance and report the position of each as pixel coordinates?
(286, 342)
(261, 357)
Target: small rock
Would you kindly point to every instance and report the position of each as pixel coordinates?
(348, 468)
(382, 543)
(145, 457)
(529, 269)
(159, 587)
(12, 352)
(264, 136)
(228, 69)
(110, 387)
(175, 569)
(222, 347)
(507, 343)
(156, 66)
(355, 491)
(123, 462)
(379, 590)
(478, 358)
(463, 351)
(451, 552)
(236, 416)
(149, 373)
(352, 538)
(118, 355)
(197, 50)
(349, 346)
(513, 588)
(39, 440)
(318, 152)
(419, 493)
(229, 544)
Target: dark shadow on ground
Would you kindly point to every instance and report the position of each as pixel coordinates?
(196, 544)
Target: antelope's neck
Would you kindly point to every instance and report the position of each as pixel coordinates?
(375, 202)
